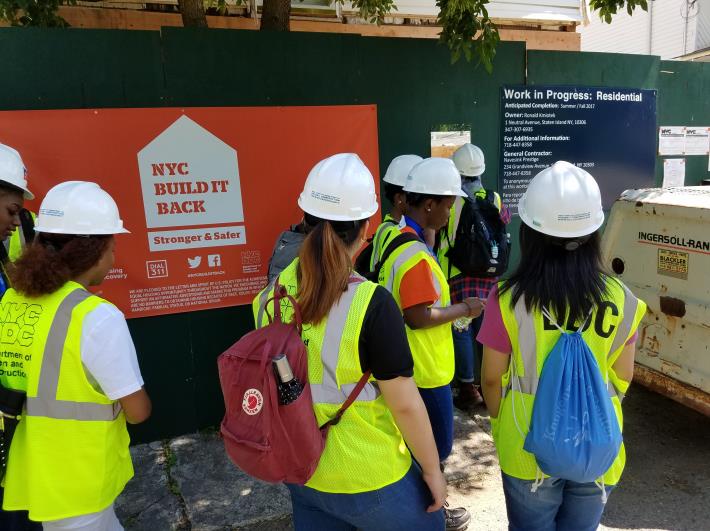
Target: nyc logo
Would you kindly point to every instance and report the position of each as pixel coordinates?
(17, 323)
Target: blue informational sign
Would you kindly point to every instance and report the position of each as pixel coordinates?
(610, 132)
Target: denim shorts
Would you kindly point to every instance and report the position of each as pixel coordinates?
(440, 408)
(556, 505)
(400, 506)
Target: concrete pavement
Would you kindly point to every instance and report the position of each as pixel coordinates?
(188, 483)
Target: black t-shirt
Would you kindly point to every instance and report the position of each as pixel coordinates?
(384, 348)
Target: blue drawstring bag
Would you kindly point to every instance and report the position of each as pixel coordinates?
(574, 433)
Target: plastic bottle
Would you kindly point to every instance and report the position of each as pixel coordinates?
(288, 386)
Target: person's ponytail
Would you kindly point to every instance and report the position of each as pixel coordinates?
(325, 265)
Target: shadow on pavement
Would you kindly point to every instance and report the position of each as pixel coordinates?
(666, 484)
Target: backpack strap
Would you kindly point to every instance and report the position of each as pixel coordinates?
(362, 382)
(547, 314)
(280, 292)
(395, 244)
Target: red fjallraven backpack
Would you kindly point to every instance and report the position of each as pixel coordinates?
(269, 441)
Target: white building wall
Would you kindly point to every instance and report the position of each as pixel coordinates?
(702, 39)
(663, 30)
(528, 11)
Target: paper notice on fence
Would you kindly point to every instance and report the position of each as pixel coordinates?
(673, 172)
(697, 140)
(671, 140)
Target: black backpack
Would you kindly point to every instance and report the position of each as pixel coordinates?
(362, 264)
(480, 247)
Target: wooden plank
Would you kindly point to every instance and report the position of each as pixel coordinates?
(663, 384)
(85, 17)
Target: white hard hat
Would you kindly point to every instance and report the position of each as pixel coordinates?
(12, 170)
(79, 207)
(399, 168)
(435, 176)
(563, 201)
(469, 160)
(339, 188)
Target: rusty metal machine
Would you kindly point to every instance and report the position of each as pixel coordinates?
(657, 241)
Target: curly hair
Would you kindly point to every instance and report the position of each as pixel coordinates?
(54, 259)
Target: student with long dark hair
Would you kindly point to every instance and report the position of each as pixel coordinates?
(559, 282)
(69, 458)
(365, 478)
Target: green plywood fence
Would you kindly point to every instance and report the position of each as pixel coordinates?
(411, 81)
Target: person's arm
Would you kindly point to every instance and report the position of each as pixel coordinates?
(384, 350)
(426, 316)
(136, 406)
(109, 358)
(410, 415)
(494, 365)
(624, 365)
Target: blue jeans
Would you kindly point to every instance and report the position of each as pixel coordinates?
(440, 407)
(468, 353)
(399, 506)
(558, 505)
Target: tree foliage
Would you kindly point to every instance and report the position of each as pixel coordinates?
(467, 30)
(373, 11)
(608, 8)
(42, 13)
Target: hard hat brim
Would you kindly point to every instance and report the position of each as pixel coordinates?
(561, 234)
(321, 214)
(122, 230)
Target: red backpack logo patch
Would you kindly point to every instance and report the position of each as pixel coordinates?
(253, 401)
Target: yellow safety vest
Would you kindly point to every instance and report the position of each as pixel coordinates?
(448, 234)
(365, 451)
(385, 233)
(69, 456)
(532, 339)
(432, 348)
(17, 242)
(15, 247)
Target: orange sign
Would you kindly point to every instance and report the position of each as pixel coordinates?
(204, 191)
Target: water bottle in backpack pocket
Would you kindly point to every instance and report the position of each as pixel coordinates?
(574, 432)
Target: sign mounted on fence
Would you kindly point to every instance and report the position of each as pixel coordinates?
(609, 132)
(204, 191)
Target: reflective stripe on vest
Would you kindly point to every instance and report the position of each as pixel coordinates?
(432, 348)
(263, 297)
(72, 434)
(367, 436)
(410, 251)
(379, 242)
(328, 392)
(45, 404)
(532, 338)
(528, 345)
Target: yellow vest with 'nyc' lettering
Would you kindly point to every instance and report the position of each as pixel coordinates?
(69, 456)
